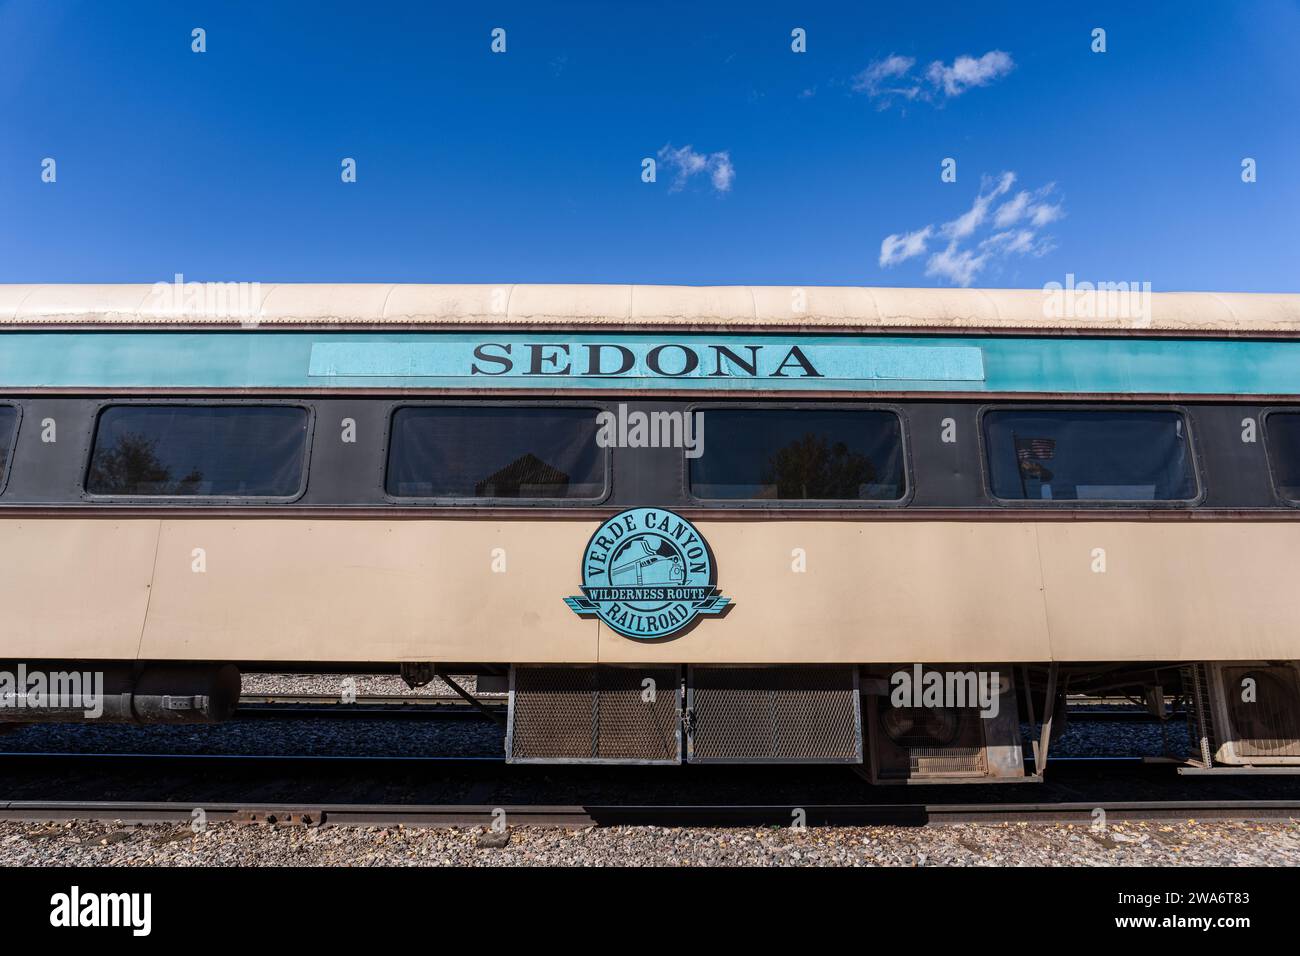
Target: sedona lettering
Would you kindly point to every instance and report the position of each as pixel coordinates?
(671, 360)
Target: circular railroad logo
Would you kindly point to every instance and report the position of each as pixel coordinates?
(648, 573)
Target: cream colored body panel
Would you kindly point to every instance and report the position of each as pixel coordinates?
(368, 590)
(872, 591)
(74, 589)
(1172, 590)
(425, 589)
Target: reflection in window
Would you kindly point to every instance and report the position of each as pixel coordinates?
(225, 450)
(1283, 441)
(797, 454)
(495, 452)
(1085, 455)
(8, 420)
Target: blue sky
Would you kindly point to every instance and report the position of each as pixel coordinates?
(526, 166)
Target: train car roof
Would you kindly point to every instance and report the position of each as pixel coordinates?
(609, 307)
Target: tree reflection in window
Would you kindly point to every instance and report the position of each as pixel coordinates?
(131, 466)
(227, 450)
(814, 467)
(800, 454)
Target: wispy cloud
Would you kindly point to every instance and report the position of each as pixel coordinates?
(967, 72)
(892, 78)
(887, 78)
(685, 163)
(983, 234)
(901, 247)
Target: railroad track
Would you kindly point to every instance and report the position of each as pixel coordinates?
(20, 757)
(439, 790)
(66, 762)
(423, 707)
(368, 700)
(461, 815)
(289, 706)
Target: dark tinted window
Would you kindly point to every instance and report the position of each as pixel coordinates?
(495, 452)
(8, 421)
(1080, 455)
(799, 454)
(1283, 442)
(229, 450)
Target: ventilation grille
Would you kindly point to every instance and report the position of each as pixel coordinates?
(1269, 726)
(774, 715)
(929, 741)
(594, 715)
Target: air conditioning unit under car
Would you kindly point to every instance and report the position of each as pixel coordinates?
(942, 744)
(1253, 712)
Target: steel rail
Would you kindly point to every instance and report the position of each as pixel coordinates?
(366, 700)
(291, 706)
(15, 758)
(721, 815)
(12, 757)
(18, 758)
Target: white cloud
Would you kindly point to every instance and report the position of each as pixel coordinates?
(899, 247)
(957, 266)
(1013, 240)
(965, 224)
(722, 172)
(892, 78)
(884, 79)
(1029, 206)
(1043, 214)
(967, 72)
(686, 163)
(1011, 211)
(1013, 230)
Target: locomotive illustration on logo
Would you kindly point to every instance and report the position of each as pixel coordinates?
(641, 562)
(648, 573)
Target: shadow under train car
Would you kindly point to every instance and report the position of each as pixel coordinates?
(895, 724)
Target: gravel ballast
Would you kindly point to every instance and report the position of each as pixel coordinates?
(1130, 844)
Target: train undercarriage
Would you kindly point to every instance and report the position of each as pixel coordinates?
(894, 724)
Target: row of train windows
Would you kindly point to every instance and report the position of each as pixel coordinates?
(538, 452)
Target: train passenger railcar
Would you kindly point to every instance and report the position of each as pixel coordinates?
(883, 527)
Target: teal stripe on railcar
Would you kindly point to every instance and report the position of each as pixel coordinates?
(513, 359)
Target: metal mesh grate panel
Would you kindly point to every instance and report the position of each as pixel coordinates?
(552, 713)
(632, 727)
(774, 715)
(594, 714)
